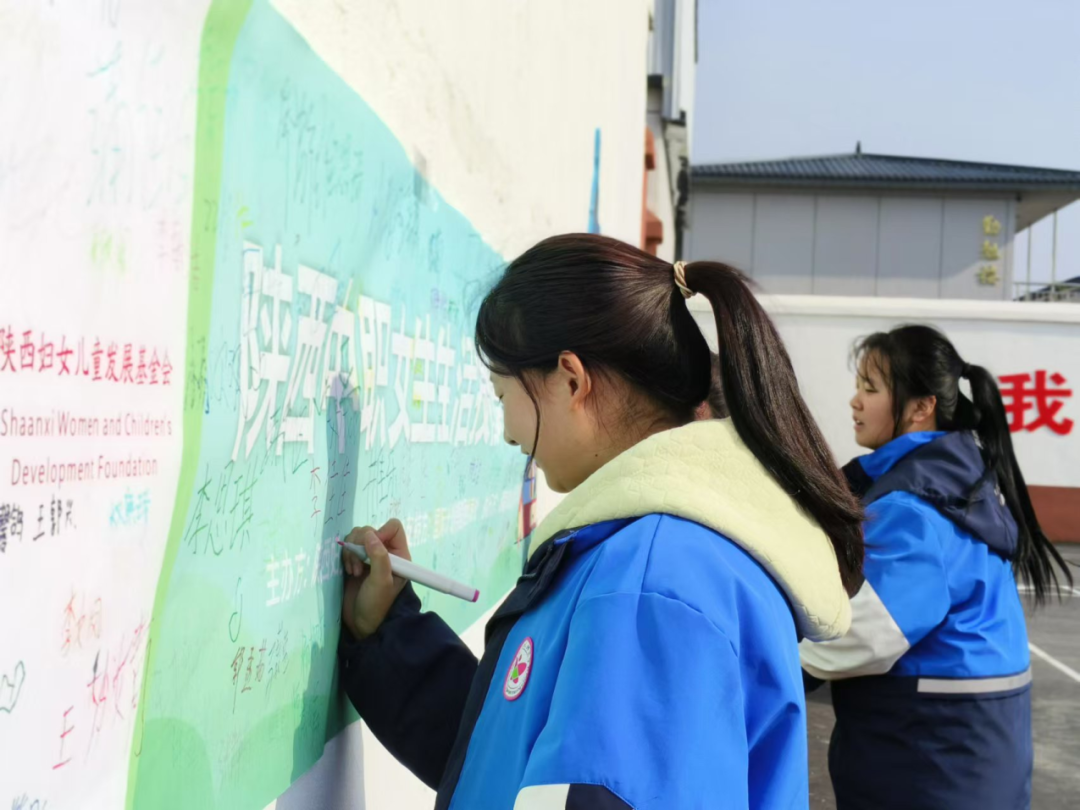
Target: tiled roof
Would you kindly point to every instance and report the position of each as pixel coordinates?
(869, 171)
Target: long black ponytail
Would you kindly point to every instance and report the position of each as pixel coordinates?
(919, 361)
(761, 394)
(619, 310)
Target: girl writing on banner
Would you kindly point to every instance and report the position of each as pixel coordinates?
(648, 657)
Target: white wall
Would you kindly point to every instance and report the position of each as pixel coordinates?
(498, 104)
(782, 243)
(1007, 338)
(849, 244)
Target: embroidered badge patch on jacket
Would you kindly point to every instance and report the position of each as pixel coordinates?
(520, 669)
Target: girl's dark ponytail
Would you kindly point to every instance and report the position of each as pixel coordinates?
(621, 312)
(761, 394)
(919, 361)
(1035, 554)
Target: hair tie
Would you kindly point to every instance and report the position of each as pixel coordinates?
(965, 371)
(680, 280)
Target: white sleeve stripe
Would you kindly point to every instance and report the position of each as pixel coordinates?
(542, 797)
(873, 644)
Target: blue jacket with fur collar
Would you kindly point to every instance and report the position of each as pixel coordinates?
(648, 657)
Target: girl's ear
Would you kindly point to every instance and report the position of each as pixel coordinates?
(573, 379)
(923, 412)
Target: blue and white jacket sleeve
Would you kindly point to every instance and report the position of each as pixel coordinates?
(610, 744)
(904, 597)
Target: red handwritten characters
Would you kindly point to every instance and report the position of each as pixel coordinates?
(99, 694)
(78, 620)
(109, 675)
(61, 762)
(1020, 397)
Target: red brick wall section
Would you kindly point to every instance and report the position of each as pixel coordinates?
(1058, 510)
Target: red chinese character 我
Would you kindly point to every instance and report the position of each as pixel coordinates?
(1020, 397)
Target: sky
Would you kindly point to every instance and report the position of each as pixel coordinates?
(983, 80)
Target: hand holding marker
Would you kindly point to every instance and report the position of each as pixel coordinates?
(371, 588)
(406, 569)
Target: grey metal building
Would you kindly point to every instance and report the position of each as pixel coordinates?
(864, 224)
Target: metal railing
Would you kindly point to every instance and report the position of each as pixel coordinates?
(1041, 291)
(1055, 290)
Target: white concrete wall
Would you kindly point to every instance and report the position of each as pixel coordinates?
(782, 243)
(848, 244)
(498, 104)
(1007, 338)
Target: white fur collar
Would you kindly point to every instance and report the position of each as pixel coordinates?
(705, 473)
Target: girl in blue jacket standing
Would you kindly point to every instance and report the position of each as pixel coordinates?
(648, 657)
(931, 685)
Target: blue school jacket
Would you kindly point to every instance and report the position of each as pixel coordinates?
(931, 686)
(643, 660)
